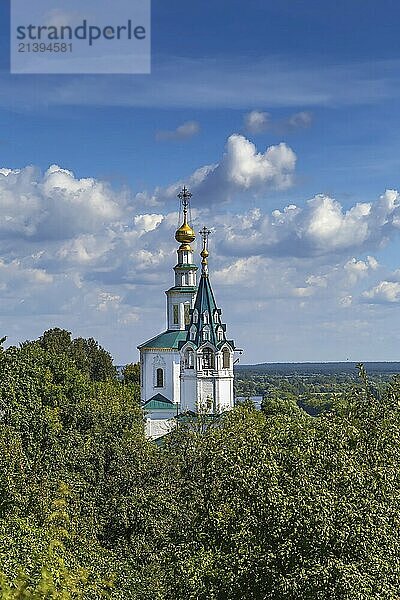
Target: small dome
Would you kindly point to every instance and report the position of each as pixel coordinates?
(185, 234)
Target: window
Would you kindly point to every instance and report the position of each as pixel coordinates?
(220, 334)
(176, 314)
(216, 315)
(193, 333)
(208, 359)
(160, 378)
(190, 359)
(186, 278)
(205, 317)
(206, 334)
(226, 359)
(195, 315)
(187, 314)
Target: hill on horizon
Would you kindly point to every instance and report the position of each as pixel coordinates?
(326, 368)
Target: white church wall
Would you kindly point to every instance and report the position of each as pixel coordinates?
(169, 361)
(188, 390)
(156, 428)
(224, 393)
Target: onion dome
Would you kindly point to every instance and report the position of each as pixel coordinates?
(185, 234)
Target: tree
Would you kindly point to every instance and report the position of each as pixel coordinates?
(131, 373)
(284, 505)
(56, 340)
(88, 355)
(92, 359)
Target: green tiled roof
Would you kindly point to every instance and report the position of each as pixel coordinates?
(205, 302)
(159, 402)
(167, 339)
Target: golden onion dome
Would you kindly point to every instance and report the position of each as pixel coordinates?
(185, 234)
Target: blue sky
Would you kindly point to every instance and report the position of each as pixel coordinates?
(321, 78)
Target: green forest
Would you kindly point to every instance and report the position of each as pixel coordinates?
(273, 504)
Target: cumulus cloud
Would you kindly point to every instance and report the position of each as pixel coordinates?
(256, 121)
(242, 171)
(385, 292)
(320, 228)
(55, 205)
(183, 132)
(149, 222)
(73, 246)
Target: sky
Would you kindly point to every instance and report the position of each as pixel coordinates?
(282, 118)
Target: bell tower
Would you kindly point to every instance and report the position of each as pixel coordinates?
(207, 355)
(180, 297)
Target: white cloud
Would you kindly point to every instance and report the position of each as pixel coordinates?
(109, 273)
(183, 132)
(244, 270)
(241, 170)
(321, 228)
(303, 292)
(346, 301)
(149, 222)
(246, 168)
(357, 269)
(55, 205)
(256, 121)
(385, 292)
(300, 120)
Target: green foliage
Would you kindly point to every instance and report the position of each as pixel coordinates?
(272, 504)
(131, 373)
(50, 577)
(87, 354)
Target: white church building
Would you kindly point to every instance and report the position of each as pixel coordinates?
(188, 368)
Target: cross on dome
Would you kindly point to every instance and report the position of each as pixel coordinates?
(185, 234)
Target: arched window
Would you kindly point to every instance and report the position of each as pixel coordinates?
(195, 315)
(205, 317)
(187, 313)
(208, 359)
(206, 334)
(216, 315)
(160, 378)
(189, 359)
(192, 333)
(226, 359)
(220, 334)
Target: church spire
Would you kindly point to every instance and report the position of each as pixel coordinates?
(204, 253)
(205, 323)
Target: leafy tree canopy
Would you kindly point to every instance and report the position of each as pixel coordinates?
(272, 504)
(87, 354)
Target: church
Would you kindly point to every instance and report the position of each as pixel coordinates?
(188, 368)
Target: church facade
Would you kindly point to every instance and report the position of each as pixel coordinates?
(188, 368)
